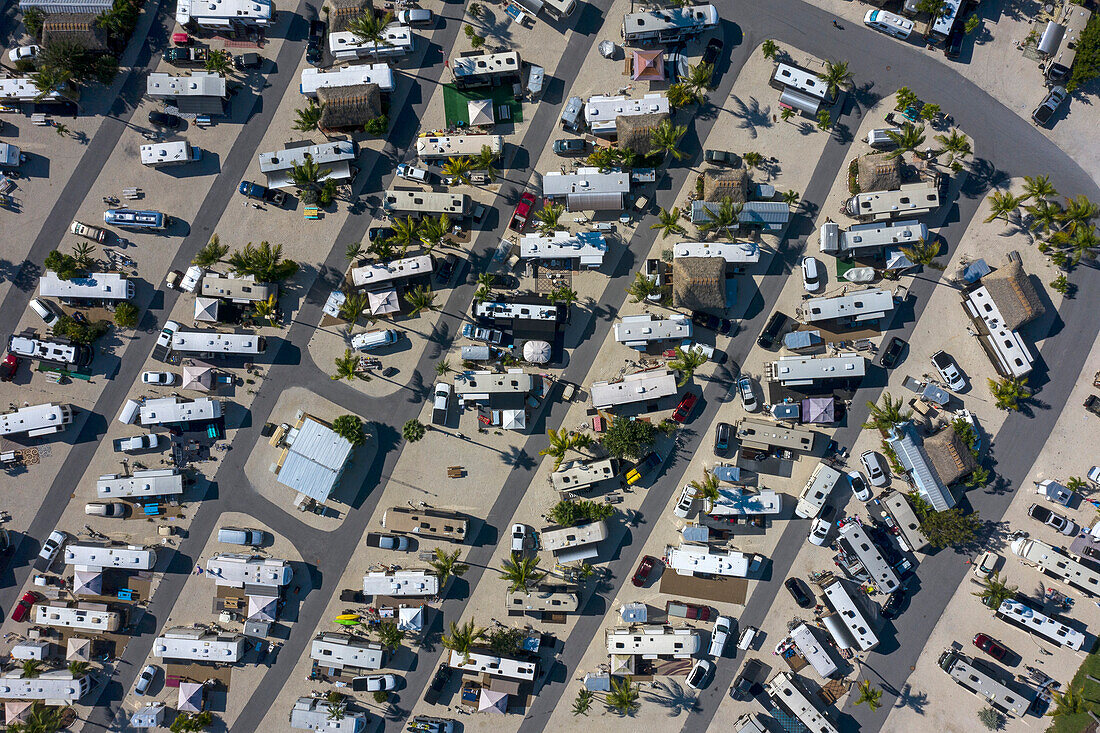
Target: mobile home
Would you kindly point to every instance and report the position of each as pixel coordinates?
(430, 523)
(816, 491)
(971, 674)
(441, 147)
(429, 203)
(668, 25)
(36, 420)
(176, 152)
(912, 199)
(84, 616)
(104, 287)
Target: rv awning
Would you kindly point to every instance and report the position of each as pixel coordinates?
(798, 100)
(1051, 38)
(201, 105)
(840, 633)
(594, 201)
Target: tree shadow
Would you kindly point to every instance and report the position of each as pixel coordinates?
(915, 701)
(517, 457)
(751, 115)
(675, 698)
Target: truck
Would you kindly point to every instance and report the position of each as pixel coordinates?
(262, 193)
(88, 232)
(523, 210)
(138, 442)
(1092, 404)
(187, 55)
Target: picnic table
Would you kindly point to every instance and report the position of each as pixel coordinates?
(311, 212)
(455, 471)
(132, 193)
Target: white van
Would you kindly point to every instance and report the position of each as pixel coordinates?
(44, 311)
(130, 412)
(748, 636)
(880, 140)
(374, 339)
(888, 23)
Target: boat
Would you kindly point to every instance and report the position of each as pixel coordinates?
(347, 619)
(860, 275)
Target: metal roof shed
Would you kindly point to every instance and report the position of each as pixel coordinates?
(315, 459)
(797, 100)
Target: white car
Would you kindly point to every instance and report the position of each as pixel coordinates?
(164, 379)
(23, 53)
(819, 531)
(859, 486)
(986, 564)
(949, 371)
(813, 274)
(166, 333)
(874, 464)
(412, 173)
(700, 674)
(105, 509)
(686, 501)
(145, 679)
(748, 397)
(519, 537)
(414, 16)
(720, 636)
(374, 683)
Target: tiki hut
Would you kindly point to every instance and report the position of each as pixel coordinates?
(78, 28)
(340, 12)
(1015, 296)
(348, 107)
(950, 457)
(635, 132)
(699, 283)
(879, 172)
(719, 183)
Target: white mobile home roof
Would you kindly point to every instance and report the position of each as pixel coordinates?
(224, 13)
(553, 598)
(576, 475)
(479, 384)
(805, 370)
(557, 540)
(398, 41)
(64, 353)
(237, 289)
(738, 253)
(216, 342)
(346, 76)
(863, 305)
(86, 616)
(335, 157)
(341, 650)
(758, 433)
(447, 146)
(198, 84)
(36, 419)
(175, 151)
(1010, 352)
(588, 247)
(870, 236)
(401, 583)
(485, 64)
(897, 506)
(1056, 563)
(637, 387)
(426, 202)
(173, 410)
(946, 18)
(849, 612)
(585, 180)
(668, 22)
(909, 447)
(489, 663)
(238, 570)
(155, 482)
(667, 641)
(57, 687)
(882, 575)
(813, 650)
(738, 502)
(789, 696)
(97, 556)
(802, 80)
(912, 198)
(315, 459)
(391, 271)
(692, 559)
(22, 89)
(311, 713)
(209, 647)
(601, 112)
(643, 329)
(1042, 625)
(96, 286)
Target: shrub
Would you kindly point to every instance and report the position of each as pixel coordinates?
(628, 437)
(350, 428)
(64, 265)
(126, 315)
(82, 333)
(413, 430)
(377, 126)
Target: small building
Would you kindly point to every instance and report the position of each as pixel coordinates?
(313, 459)
(693, 559)
(811, 648)
(869, 240)
(76, 28)
(668, 25)
(482, 661)
(857, 542)
(788, 696)
(242, 290)
(210, 344)
(769, 216)
(853, 620)
(313, 79)
(87, 556)
(441, 147)
(862, 306)
(653, 642)
(85, 616)
(336, 157)
(57, 687)
(348, 108)
(430, 523)
(401, 583)
(638, 332)
(140, 484)
(913, 456)
(635, 132)
(801, 89)
(485, 69)
(737, 254)
(644, 387)
(392, 272)
(1003, 302)
(197, 644)
(333, 650)
(602, 112)
(201, 93)
(225, 14)
(911, 199)
(545, 598)
(235, 570)
(532, 317)
(574, 476)
(726, 183)
(699, 284)
(397, 41)
(571, 544)
(764, 435)
(175, 411)
(176, 152)
(804, 371)
(587, 248)
(311, 713)
(588, 189)
(36, 420)
(99, 287)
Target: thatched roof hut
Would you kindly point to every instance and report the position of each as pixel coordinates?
(699, 283)
(879, 172)
(342, 11)
(950, 457)
(347, 107)
(1015, 296)
(78, 28)
(719, 183)
(635, 132)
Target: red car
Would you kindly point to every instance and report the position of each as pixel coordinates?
(644, 569)
(23, 608)
(990, 646)
(8, 367)
(523, 210)
(684, 408)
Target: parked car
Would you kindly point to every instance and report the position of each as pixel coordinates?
(875, 465)
(892, 608)
(23, 53)
(683, 410)
(412, 173)
(819, 531)
(244, 61)
(522, 211)
(145, 679)
(986, 564)
(748, 396)
(744, 682)
(700, 674)
(892, 353)
(648, 463)
(1050, 104)
(859, 486)
(712, 51)
(439, 681)
(949, 371)
(690, 611)
(242, 536)
(713, 323)
(22, 608)
(813, 274)
(315, 44)
(262, 193)
(164, 119)
(645, 567)
(685, 502)
(477, 333)
(802, 595)
(722, 157)
(570, 146)
(954, 46)
(164, 379)
(720, 635)
(774, 328)
(722, 433)
(447, 269)
(375, 234)
(50, 550)
(114, 509)
(414, 16)
(374, 683)
(519, 537)
(9, 367)
(387, 541)
(1053, 519)
(87, 231)
(134, 443)
(991, 646)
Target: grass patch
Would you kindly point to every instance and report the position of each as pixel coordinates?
(1089, 689)
(455, 103)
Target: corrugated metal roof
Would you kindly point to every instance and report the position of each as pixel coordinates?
(913, 459)
(314, 460)
(594, 201)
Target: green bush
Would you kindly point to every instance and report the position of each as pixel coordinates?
(126, 315)
(81, 333)
(350, 428)
(1086, 66)
(628, 437)
(64, 265)
(377, 126)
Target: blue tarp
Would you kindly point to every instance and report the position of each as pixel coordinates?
(975, 271)
(802, 339)
(729, 474)
(932, 393)
(786, 411)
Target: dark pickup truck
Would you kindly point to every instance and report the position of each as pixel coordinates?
(262, 193)
(187, 55)
(1092, 404)
(777, 324)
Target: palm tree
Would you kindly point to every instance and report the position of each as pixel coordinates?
(463, 638)
(1070, 702)
(522, 573)
(353, 306)
(642, 287)
(679, 95)
(791, 197)
(836, 76)
(307, 174)
(707, 489)
(1039, 187)
(443, 368)
(217, 60)
(665, 138)
(420, 298)
(347, 366)
(390, 636)
(548, 217)
(41, 719)
(623, 697)
(995, 591)
(434, 231)
(485, 282)
(923, 252)
(353, 251)
(686, 362)
(769, 48)
(668, 222)
(308, 118)
(890, 414)
(698, 79)
(405, 233)
(447, 566)
(752, 159)
(723, 219)
(267, 308)
(82, 252)
(484, 161)
(787, 113)
(869, 694)
(559, 445)
(563, 294)
(1001, 204)
(265, 263)
(1044, 214)
(1079, 212)
(583, 703)
(956, 144)
(61, 130)
(211, 254)
(458, 168)
(1008, 391)
(78, 669)
(369, 28)
(909, 139)
(31, 668)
